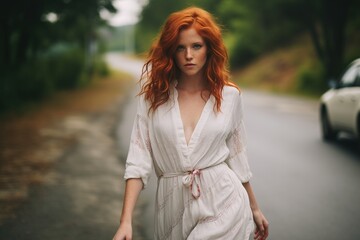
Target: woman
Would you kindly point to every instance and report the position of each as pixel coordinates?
(189, 128)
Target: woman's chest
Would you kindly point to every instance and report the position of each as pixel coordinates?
(169, 125)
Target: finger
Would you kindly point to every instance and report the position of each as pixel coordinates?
(263, 236)
(257, 235)
(266, 225)
(262, 228)
(260, 235)
(266, 233)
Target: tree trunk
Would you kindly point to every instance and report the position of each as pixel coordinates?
(334, 21)
(315, 38)
(5, 44)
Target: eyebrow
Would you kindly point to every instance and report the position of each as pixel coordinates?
(191, 43)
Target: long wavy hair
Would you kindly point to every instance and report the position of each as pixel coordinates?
(160, 69)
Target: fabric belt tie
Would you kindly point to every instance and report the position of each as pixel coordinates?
(191, 179)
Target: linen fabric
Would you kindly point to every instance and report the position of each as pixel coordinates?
(217, 148)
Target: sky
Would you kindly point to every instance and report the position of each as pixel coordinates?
(128, 12)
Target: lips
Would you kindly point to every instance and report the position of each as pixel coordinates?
(189, 65)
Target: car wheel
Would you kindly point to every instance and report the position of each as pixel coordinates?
(328, 133)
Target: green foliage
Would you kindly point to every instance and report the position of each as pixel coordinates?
(39, 56)
(254, 27)
(242, 53)
(155, 13)
(57, 69)
(68, 68)
(257, 26)
(120, 39)
(62, 67)
(152, 18)
(311, 79)
(144, 39)
(99, 67)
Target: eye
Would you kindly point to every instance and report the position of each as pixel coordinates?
(180, 48)
(197, 46)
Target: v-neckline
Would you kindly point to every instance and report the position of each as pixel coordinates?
(199, 124)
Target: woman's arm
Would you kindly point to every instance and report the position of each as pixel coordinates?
(132, 191)
(262, 225)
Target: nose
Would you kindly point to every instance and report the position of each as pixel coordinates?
(188, 54)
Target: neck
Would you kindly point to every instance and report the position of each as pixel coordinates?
(192, 83)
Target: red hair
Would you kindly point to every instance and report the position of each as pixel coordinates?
(160, 70)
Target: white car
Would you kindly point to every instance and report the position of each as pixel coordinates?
(340, 106)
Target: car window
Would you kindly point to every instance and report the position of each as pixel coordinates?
(357, 81)
(349, 77)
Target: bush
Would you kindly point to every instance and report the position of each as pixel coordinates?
(240, 56)
(65, 64)
(68, 68)
(61, 67)
(310, 79)
(99, 67)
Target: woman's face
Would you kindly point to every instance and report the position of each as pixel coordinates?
(191, 51)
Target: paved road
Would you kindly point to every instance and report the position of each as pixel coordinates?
(81, 197)
(308, 189)
(146, 202)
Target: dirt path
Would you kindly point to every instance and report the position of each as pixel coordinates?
(61, 172)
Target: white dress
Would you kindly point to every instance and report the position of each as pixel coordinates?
(200, 193)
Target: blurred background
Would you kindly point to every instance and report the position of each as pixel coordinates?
(68, 73)
(307, 41)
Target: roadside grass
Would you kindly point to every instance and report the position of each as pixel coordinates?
(279, 71)
(28, 146)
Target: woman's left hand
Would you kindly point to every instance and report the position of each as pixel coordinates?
(262, 226)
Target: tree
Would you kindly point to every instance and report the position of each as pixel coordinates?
(31, 32)
(155, 13)
(327, 23)
(25, 30)
(277, 21)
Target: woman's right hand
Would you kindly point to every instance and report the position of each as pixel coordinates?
(132, 191)
(124, 232)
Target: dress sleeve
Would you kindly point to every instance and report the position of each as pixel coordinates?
(139, 160)
(236, 143)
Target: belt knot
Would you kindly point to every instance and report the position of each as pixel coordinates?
(192, 180)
